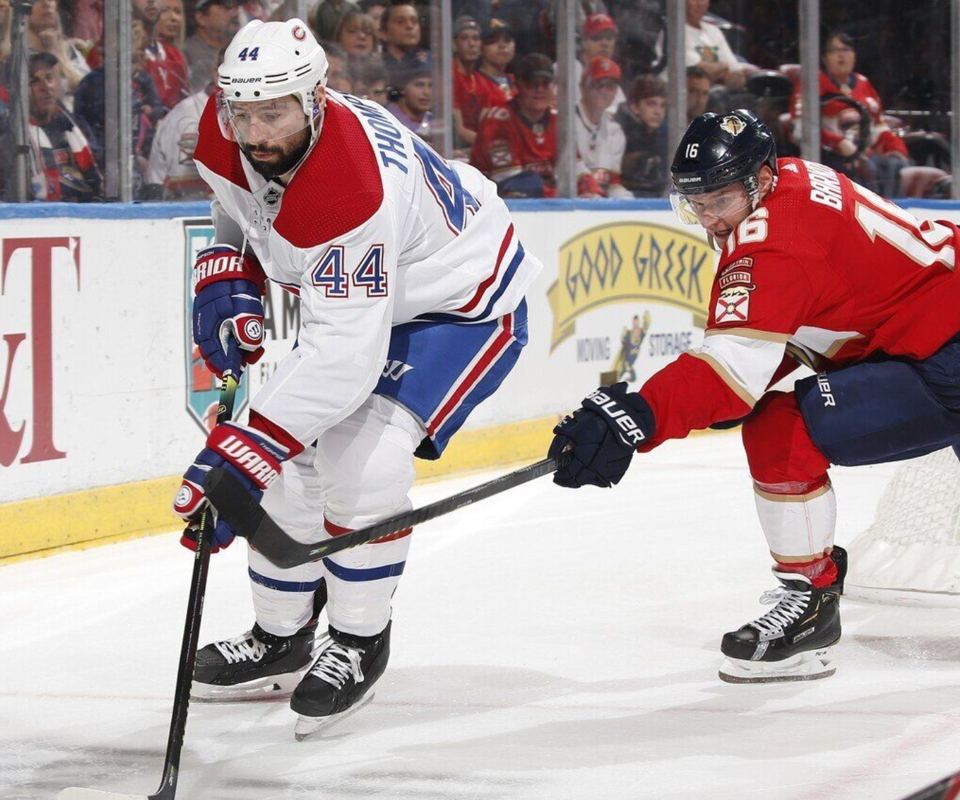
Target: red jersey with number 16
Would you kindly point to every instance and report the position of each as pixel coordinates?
(825, 272)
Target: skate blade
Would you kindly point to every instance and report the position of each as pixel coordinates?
(275, 687)
(810, 666)
(308, 727)
(74, 793)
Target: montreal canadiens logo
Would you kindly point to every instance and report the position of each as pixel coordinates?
(299, 33)
(184, 497)
(253, 329)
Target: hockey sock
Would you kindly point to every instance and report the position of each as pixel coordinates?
(821, 571)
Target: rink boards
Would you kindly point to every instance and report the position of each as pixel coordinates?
(102, 398)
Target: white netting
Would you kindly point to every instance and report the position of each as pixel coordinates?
(911, 552)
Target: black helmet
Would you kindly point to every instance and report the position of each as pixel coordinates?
(720, 149)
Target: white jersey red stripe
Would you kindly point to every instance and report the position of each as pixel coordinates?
(482, 363)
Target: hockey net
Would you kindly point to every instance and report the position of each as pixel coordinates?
(910, 555)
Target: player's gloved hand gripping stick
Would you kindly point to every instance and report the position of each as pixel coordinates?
(248, 519)
(594, 445)
(191, 631)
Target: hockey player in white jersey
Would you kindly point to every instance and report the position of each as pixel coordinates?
(411, 282)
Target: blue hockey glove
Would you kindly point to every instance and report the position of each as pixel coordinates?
(601, 437)
(228, 303)
(249, 454)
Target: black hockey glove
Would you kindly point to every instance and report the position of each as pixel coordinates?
(601, 437)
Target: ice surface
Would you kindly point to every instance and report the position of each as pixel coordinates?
(546, 644)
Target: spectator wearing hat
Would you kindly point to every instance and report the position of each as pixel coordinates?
(327, 16)
(62, 166)
(600, 139)
(469, 93)
(516, 145)
(642, 118)
(217, 22)
(412, 107)
(599, 40)
(707, 48)
(497, 49)
(400, 31)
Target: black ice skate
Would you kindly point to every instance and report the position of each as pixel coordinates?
(341, 682)
(257, 665)
(788, 643)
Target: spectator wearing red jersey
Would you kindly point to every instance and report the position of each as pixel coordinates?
(163, 60)
(600, 139)
(516, 145)
(498, 48)
(469, 93)
(878, 164)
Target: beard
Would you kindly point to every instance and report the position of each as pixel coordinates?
(287, 159)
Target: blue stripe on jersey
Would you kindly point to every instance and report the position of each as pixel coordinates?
(356, 575)
(505, 279)
(284, 586)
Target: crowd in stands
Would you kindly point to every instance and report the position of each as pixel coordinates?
(504, 115)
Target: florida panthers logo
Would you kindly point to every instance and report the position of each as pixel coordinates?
(733, 125)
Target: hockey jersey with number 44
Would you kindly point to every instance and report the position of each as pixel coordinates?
(373, 231)
(825, 273)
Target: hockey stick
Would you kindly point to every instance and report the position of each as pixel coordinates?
(947, 789)
(188, 650)
(249, 519)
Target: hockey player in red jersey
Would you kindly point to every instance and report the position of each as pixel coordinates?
(411, 283)
(813, 270)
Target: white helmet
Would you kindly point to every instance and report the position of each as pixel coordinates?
(273, 59)
(265, 63)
